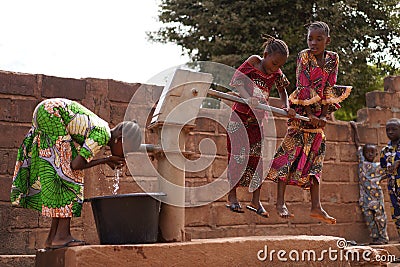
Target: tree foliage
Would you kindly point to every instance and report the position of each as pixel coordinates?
(365, 34)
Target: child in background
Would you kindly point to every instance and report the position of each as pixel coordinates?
(253, 81)
(390, 160)
(371, 199)
(299, 159)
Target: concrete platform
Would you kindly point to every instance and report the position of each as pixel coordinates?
(241, 251)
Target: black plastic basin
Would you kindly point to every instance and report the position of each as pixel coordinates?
(127, 218)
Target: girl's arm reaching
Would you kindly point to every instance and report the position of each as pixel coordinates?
(80, 163)
(356, 136)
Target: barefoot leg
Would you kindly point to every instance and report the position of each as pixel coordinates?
(52, 232)
(232, 198)
(63, 233)
(281, 208)
(316, 210)
(255, 201)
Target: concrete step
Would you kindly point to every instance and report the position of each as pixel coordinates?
(295, 251)
(17, 260)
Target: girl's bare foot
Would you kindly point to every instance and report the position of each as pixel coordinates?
(283, 211)
(322, 215)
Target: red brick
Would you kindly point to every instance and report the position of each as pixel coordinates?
(219, 167)
(117, 113)
(350, 193)
(375, 117)
(343, 213)
(198, 216)
(391, 84)
(5, 188)
(334, 172)
(63, 87)
(17, 83)
(382, 137)
(338, 132)
(5, 109)
(23, 110)
(96, 97)
(348, 152)
(123, 92)
(332, 152)
(90, 232)
(339, 193)
(382, 99)
(367, 134)
(196, 169)
(21, 218)
(44, 222)
(17, 110)
(14, 243)
(12, 135)
(7, 163)
(205, 124)
(219, 140)
(355, 231)
(203, 192)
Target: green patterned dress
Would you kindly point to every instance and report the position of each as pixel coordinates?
(43, 179)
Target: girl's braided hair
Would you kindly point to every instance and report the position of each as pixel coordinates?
(272, 45)
(319, 25)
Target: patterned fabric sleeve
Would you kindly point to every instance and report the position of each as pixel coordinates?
(334, 94)
(305, 93)
(383, 158)
(96, 139)
(316, 84)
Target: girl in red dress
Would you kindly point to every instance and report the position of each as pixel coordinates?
(253, 81)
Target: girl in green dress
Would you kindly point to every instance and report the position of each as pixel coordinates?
(49, 177)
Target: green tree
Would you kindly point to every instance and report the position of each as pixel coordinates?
(365, 34)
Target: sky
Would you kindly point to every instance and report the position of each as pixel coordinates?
(84, 38)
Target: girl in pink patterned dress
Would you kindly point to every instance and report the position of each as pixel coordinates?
(298, 161)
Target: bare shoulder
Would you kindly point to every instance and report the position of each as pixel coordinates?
(254, 60)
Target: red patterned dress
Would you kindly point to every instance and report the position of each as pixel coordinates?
(302, 151)
(244, 142)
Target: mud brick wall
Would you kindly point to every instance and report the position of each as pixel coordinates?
(22, 231)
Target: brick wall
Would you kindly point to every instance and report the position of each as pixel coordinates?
(22, 231)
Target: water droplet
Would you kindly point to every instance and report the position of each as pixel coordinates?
(117, 173)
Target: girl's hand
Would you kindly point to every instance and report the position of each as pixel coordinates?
(115, 162)
(322, 122)
(291, 113)
(392, 168)
(233, 93)
(253, 102)
(314, 120)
